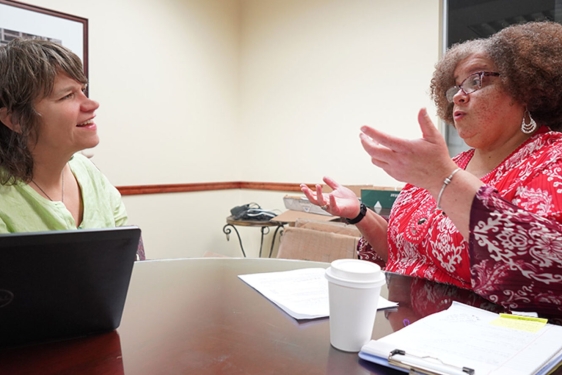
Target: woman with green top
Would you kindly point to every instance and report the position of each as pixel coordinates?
(46, 119)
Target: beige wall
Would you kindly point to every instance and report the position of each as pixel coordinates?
(253, 90)
(314, 71)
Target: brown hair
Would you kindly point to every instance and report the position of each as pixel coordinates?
(28, 68)
(528, 57)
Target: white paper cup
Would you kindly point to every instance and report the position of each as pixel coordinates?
(354, 288)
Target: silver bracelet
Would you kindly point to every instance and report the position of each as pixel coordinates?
(446, 182)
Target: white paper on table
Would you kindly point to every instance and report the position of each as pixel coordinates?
(302, 293)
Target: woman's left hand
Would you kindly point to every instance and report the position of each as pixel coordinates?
(422, 162)
(340, 202)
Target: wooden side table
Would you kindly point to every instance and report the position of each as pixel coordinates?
(264, 228)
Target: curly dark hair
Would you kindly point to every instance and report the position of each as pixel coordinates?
(28, 68)
(529, 58)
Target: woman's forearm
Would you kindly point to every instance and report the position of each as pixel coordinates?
(373, 227)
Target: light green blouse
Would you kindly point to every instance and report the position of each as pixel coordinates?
(22, 209)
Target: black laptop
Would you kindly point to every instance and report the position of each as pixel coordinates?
(64, 284)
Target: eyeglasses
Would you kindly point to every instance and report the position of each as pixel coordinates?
(470, 84)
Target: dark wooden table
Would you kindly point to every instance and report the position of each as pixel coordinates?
(195, 316)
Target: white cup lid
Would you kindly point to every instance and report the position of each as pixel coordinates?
(355, 271)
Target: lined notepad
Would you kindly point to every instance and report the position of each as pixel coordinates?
(469, 337)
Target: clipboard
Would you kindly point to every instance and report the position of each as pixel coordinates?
(464, 338)
(425, 365)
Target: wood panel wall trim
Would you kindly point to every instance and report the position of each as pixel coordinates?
(207, 186)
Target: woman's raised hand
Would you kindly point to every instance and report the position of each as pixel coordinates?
(341, 201)
(423, 162)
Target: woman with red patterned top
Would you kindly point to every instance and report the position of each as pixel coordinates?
(490, 219)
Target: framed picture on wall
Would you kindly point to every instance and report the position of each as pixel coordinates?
(29, 21)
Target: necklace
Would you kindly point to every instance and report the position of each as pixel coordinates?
(47, 195)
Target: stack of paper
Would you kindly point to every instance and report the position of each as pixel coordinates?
(464, 338)
(303, 293)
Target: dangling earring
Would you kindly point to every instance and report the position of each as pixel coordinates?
(529, 127)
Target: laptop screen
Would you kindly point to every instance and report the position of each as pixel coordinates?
(63, 284)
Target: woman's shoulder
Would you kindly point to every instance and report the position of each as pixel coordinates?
(83, 168)
(544, 143)
(89, 176)
(79, 158)
(80, 161)
(551, 137)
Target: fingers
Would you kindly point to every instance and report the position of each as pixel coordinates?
(308, 193)
(379, 154)
(331, 183)
(429, 131)
(382, 144)
(319, 197)
(333, 202)
(375, 138)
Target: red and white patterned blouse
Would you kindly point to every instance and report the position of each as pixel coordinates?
(514, 256)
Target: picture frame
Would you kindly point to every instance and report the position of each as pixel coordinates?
(23, 20)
